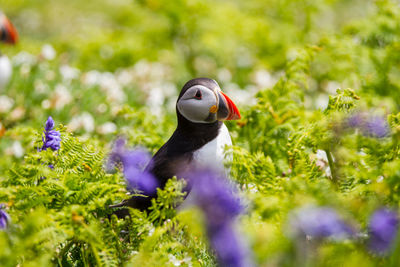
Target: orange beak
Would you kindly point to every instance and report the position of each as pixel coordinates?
(227, 110)
(8, 33)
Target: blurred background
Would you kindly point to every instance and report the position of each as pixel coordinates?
(115, 67)
(142, 52)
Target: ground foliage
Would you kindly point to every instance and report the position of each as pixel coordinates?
(326, 62)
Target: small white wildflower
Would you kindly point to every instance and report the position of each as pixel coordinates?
(188, 260)
(91, 78)
(101, 108)
(46, 104)
(16, 149)
(40, 87)
(60, 97)
(69, 73)
(151, 231)
(17, 114)
(48, 52)
(155, 100)
(24, 58)
(124, 77)
(25, 70)
(111, 86)
(174, 260)
(107, 128)
(6, 103)
(380, 179)
(84, 121)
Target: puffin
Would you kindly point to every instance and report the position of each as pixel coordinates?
(9, 35)
(198, 140)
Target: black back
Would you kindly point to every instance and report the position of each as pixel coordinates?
(176, 154)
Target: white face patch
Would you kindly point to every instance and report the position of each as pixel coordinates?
(196, 102)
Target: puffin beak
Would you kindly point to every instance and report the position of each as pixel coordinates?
(8, 33)
(227, 110)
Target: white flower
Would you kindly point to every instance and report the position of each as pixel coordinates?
(6, 103)
(24, 58)
(48, 52)
(68, 73)
(109, 84)
(151, 231)
(174, 260)
(25, 70)
(84, 121)
(15, 149)
(91, 78)
(101, 108)
(46, 104)
(107, 128)
(177, 262)
(17, 114)
(60, 97)
(40, 87)
(157, 94)
(125, 77)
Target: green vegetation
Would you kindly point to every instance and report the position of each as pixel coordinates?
(317, 84)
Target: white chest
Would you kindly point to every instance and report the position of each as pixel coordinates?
(212, 155)
(5, 71)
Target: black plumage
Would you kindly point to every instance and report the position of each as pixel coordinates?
(176, 154)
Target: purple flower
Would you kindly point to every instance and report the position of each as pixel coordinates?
(4, 217)
(133, 162)
(375, 126)
(356, 120)
(215, 197)
(229, 248)
(51, 138)
(319, 222)
(383, 227)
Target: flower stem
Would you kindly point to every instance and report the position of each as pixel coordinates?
(335, 178)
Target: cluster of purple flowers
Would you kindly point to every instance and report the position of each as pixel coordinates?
(4, 217)
(383, 230)
(324, 222)
(51, 138)
(213, 195)
(319, 222)
(374, 125)
(133, 162)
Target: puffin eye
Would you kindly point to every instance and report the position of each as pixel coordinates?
(198, 95)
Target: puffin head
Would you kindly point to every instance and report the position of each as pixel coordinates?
(8, 33)
(202, 101)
